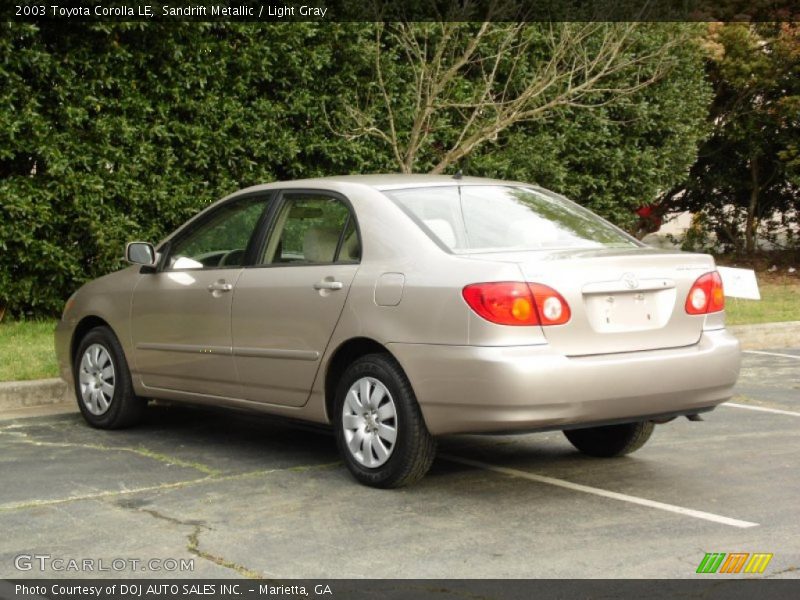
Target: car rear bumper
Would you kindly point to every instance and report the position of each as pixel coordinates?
(471, 389)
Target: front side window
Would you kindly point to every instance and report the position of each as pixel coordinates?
(504, 218)
(221, 239)
(312, 229)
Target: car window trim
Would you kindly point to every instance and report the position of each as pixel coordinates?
(342, 236)
(267, 229)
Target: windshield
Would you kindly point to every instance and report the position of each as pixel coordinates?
(488, 218)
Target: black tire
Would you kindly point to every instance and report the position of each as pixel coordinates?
(611, 440)
(125, 409)
(414, 448)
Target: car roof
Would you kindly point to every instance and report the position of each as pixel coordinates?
(385, 181)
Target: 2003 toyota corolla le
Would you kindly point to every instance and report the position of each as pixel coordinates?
(401, 308)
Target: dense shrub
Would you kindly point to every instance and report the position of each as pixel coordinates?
(113, 132)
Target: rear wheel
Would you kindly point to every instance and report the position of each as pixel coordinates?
(103, 382)
(611, 440)
(379, 427)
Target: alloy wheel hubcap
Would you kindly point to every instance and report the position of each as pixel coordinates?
(96, 379)
(369, 420)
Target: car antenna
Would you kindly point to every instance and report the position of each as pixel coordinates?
(459, 175)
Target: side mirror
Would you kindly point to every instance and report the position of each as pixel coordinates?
(141, 253)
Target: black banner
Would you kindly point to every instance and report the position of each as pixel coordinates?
(403, 10)
(706, 587)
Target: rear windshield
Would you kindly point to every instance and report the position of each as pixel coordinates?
(487, 218)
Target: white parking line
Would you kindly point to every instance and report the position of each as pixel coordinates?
(689, 512)
(795, 356)
(776, 411)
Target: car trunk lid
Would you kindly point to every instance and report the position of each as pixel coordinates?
(622, 300)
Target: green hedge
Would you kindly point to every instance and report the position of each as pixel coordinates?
(113, 132)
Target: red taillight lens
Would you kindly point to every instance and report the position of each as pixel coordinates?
(706, 295)
(517, 303)
(505, 303)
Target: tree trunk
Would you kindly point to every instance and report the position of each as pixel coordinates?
(751, 225)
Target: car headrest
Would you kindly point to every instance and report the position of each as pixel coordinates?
(319, 244)
(351, 250)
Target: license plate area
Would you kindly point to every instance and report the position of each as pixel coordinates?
(616, 312)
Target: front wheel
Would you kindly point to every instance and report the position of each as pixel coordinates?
(379, 427)
(103, 382)
(611, 440)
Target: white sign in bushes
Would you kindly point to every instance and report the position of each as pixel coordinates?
(739, 283)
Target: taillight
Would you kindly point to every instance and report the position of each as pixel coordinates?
(706, 295)
(517, 303)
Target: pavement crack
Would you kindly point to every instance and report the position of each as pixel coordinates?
(171, 460)
(161, 516)
(781, 572)
(99, 495)
(193, 540)
(23, 437)
(193, 546)
(10, 427)
(162, 487)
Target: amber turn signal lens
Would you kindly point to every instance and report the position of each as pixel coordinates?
(517, 303)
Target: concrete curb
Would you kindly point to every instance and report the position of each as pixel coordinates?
(39, 392)
(15, 395)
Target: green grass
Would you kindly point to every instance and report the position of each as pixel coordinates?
(26, 350)
(780, 301)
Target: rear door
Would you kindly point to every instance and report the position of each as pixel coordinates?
(286, 307)
(181, 315)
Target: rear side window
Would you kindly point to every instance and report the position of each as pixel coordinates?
(502, 218)
(312, 229)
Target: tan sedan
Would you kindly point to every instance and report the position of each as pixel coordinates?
(401, 308)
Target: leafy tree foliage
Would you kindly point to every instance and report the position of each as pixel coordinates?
(746, 180)
(440, 91)
(623, 153)
(117, 131)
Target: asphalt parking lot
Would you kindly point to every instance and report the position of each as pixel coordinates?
(249, 496)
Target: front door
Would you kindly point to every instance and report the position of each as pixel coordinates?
(286, 307)
(181, 315)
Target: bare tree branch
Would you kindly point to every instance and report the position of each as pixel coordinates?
(488, 77)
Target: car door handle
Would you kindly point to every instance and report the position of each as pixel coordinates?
(328, 285)
(220, 286)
